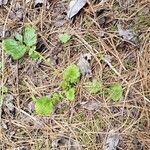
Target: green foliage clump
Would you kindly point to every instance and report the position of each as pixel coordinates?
(70, 94)
(29, 36)
(22, 43)
(71, 76)
(94, 86)
(3, 89)
(14, 48)
(44, 105)
(64, 38)
(115, 91)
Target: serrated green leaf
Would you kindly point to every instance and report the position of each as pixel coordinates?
(71, 74)
(93, 86)
(64, 38)
(70, 94)
(19, 37)
(115, 91)
(44, 106)
(34, 54)
(29, 36)
(14, 48)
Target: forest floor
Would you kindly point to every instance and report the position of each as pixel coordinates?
(117, 30)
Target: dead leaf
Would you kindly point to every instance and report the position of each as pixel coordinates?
(21, 148)
(84, 64)
(108, 58)
(102, 34)
(111, 141)
(3, 2)
(17, 13)
(39, 3)
(126, 4)
(90, 105)
(68, 143)
(31, 107)
(8, 102)
(4, 125)
(128, 35)
(75, 6)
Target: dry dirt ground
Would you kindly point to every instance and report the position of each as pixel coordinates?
(85, 129)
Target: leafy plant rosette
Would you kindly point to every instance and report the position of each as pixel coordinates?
(71, 76)
(93, 87)
(115, 91)
(44, 105)
(22, 43)
(64, 38)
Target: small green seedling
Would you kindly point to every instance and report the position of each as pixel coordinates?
(44, 105)
(115, 91)
(94, 86)
(20, 44)
(3, 89)
(71, 76)
(64, 38)
(70, 94)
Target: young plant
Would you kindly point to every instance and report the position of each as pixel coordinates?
(71, 74)
(70, 78)
(64, 38)
(94, 86)
(115, 91)
(70, 94)
(44, 105)
(22, 43)
(3, 89)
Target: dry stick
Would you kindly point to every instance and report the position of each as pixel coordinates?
(3, 62)
(108, 63)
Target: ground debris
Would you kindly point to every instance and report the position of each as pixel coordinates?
(69, 143)
(74, 7)
(17, 13)
(31, 107)
(126, 4)
(39, 3)
(127, 35)
(111, 141)
(8, 102)
(4, 125)
(3, 2)
(90, 105)
(21, 148)
(84, 64)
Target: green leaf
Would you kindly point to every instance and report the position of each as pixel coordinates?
(93, 86)
(43, 106)
(34, 54)
(55, 98)
(64, 38)
(71, 74)
(14, 48)
(19, 37)
(4, 89)
(29, 36)
(115, 91)
(70, 94)
(0, 64)
(65, 85)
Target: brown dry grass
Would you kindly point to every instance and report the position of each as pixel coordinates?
(130, 66)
